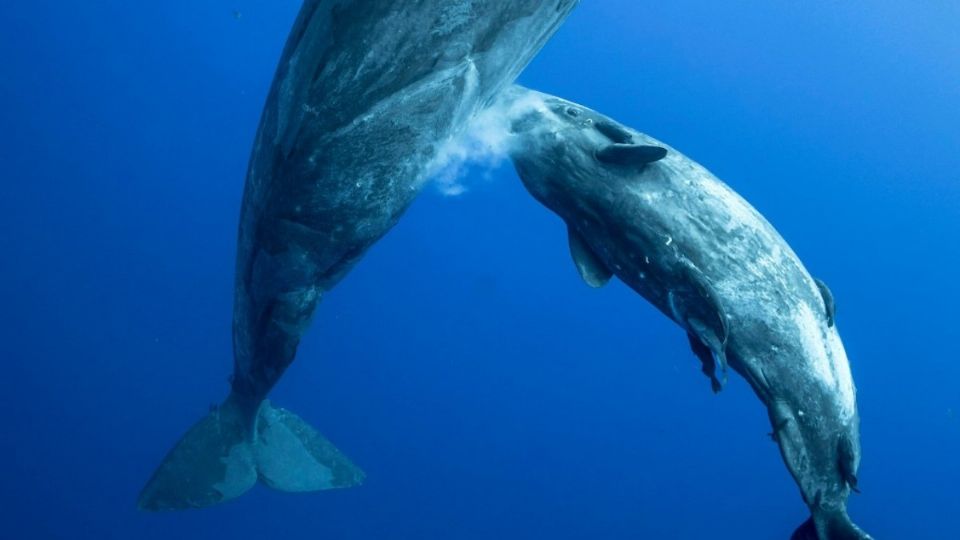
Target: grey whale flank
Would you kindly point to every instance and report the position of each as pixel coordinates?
(364, 95)
(639, 210)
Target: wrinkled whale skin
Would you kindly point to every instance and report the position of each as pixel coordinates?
(665, 226)
(364, 96)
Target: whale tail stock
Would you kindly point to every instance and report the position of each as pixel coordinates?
(225, 454)
(830, 526)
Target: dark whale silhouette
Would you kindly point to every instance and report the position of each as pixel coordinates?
(364, 96)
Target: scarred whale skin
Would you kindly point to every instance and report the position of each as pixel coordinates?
(365, 95)
(638, 209)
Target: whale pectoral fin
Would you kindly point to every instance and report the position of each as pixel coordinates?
(828, 301)
(697, 307)
(630, 154)
(715, 344)
(591, 268)
(847, 462)
(777, 428)
(709, 362)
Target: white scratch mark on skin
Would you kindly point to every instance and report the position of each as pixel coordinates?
(841, 366)
(740, 213)
(828, 360)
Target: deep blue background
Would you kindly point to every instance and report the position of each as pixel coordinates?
(485, 390)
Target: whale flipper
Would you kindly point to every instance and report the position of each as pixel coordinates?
(591, 268)
(708, 360)
(828, 302)
(218, 459)
(696, 308)
(630, 154)
(715, 343)
(847, 462)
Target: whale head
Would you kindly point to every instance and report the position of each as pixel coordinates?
(565, 152)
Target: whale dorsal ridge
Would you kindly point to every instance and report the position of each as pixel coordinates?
(630, 154)
(591, 268)
(828, 302)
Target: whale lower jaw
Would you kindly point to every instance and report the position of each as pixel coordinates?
(222, 456)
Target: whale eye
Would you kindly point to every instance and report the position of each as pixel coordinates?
(572, 112)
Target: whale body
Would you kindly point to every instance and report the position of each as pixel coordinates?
(365, 95)
(641, 211)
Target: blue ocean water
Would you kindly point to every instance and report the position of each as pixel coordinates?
(483, 388)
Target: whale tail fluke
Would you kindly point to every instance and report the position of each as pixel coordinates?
(224, 454)
(294, 457)
(835, 526)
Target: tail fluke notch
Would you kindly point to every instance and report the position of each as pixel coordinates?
(218, 459)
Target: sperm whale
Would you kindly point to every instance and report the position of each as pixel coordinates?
(639, 210)
(365, 95)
